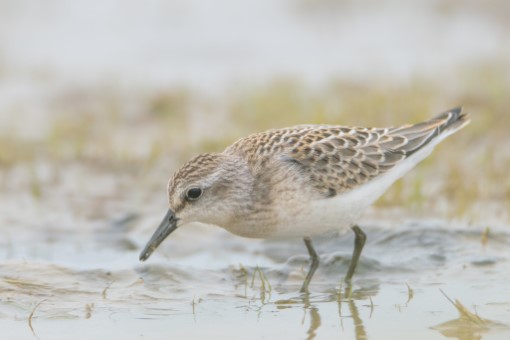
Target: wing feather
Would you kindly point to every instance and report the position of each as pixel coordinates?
(336, 159)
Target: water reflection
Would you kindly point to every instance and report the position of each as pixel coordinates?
(315, 317)
(466, 329)
(468, 326)
(189, 295)
(313, 304)
(359, 328)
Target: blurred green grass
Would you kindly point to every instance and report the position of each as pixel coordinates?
(106, 130)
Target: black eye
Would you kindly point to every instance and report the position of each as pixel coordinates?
(193, 194)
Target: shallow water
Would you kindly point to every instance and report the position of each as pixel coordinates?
(204, 282)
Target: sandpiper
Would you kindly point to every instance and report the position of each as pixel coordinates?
(299, 181)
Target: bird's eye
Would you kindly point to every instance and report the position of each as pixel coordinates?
(193, 194)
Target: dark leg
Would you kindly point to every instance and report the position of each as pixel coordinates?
(359, 242)
(313, 266)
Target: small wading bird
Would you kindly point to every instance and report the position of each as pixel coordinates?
(299, 181)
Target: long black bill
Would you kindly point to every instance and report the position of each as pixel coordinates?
(166, 227)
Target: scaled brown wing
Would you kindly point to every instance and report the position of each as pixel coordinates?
(338, 159)
(340, 162)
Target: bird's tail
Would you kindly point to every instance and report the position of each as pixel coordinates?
(437, 128)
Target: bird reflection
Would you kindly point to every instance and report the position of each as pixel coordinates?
(359, 328)
(343, 296)
(315, 317)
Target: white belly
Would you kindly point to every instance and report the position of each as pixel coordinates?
(302, 217)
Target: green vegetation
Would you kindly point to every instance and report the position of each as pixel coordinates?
(136, 134)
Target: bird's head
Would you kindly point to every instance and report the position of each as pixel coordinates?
(210, 188)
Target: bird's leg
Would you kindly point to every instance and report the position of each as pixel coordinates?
(313, 266)
(359, 242)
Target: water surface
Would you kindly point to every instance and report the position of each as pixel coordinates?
(204, 282)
